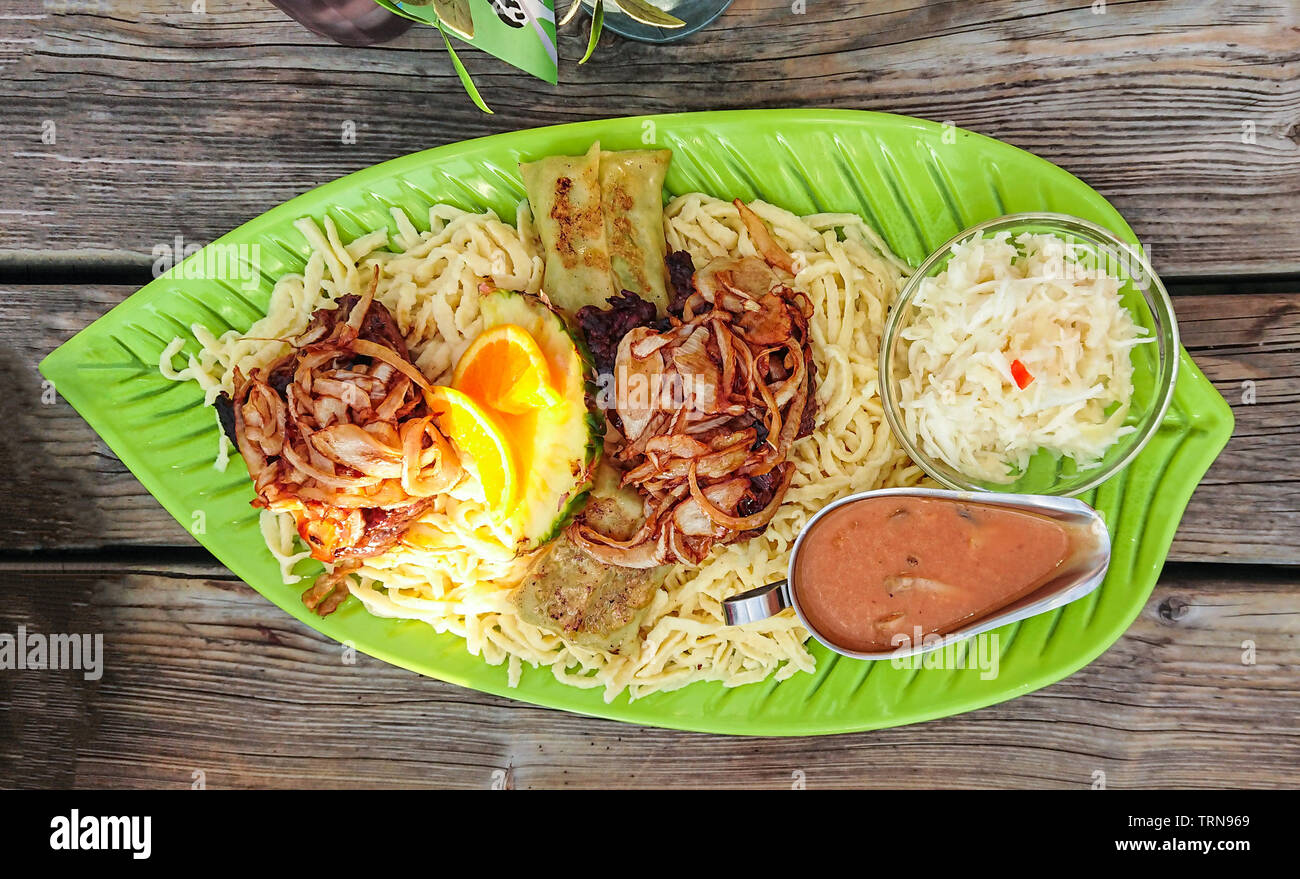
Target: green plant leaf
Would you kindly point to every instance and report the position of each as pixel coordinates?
(641, 11)
(572, 11)
(456, 15)
(465, 79)
(597, 25)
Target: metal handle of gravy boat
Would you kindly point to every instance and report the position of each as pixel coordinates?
(756, 604)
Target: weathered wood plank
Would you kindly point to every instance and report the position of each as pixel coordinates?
(203, 675)
(1248, 506)
(168, 123)
(72, 492)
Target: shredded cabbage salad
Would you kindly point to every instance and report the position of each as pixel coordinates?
(1015, 347)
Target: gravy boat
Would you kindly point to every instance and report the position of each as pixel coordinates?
(1079, 575)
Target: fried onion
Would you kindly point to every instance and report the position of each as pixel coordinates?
(732, 381)
(337, 433)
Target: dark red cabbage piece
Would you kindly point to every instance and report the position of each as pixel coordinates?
(604, 328)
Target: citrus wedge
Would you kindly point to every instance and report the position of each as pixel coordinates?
(505, 369)
(474, 431)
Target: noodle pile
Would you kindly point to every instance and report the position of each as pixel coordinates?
(460, 581)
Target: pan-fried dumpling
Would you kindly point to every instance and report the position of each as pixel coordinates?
(631, 193)
(564, 192)
(600, 220)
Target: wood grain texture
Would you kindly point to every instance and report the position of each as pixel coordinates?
(1248, 506)
(1186, 115)
(126, 124)
(76, 494)
(202, 674)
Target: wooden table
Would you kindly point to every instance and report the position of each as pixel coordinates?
(128, 125)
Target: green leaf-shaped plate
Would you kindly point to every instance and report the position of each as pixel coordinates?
(917, 182)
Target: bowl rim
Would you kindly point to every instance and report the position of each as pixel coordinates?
(1155, 294)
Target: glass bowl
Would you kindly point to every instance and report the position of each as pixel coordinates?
(1155, 365)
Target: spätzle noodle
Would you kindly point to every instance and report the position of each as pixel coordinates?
(459, 581)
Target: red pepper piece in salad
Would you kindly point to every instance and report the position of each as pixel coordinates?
(1020, 374)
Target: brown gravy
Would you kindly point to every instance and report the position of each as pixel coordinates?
(883, 566)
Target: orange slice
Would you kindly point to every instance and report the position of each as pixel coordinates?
(476, 432)
(506, 370)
